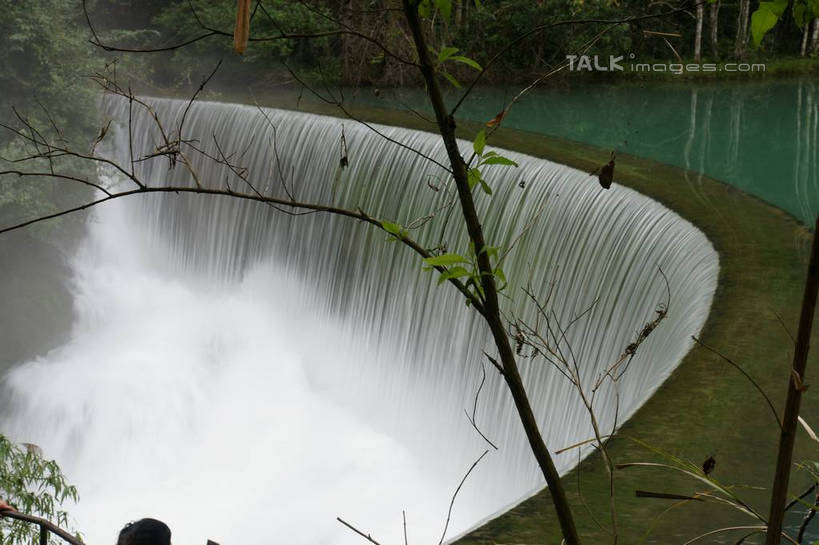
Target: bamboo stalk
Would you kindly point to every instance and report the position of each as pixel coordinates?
(796, 386)
(241, 33)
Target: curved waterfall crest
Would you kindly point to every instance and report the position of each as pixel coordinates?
(323, 307)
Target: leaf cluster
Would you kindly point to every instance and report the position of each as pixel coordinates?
(32, 485)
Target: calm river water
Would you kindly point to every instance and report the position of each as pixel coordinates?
(758, 136)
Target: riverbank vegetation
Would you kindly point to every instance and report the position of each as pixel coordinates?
(702, 32)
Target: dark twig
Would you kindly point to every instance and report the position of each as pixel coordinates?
(43, 524)
(195, 94)
(64, 177)
(785, 327)
(736, 366)
(356, 530)
(338, 104)
(475, 410)
(452, 502)
(806, 520)
(801, 497)
(495, 363)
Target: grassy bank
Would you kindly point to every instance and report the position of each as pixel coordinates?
(706, 407)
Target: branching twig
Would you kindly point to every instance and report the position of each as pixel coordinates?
(356, 530)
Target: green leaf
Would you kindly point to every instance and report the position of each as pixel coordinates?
(485, 187)
(491, 251)
(444, 260)
(765, 18)
(473, 177)
(424, 8)
(445, 6)
(501, 276)
(480, 142)
(454, 272)
(451, 79)
(801, 14)
(777, 7)
(446, 53)
(499, 160)
(467, 61)
(392, 228)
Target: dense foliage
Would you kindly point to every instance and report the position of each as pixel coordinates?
(43, 79)
(34, 486)
(480, 29)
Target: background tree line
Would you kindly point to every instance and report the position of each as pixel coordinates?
(718, 30)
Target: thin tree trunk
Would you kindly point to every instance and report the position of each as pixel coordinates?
(805, 32)
(446, 126)
(742, 29)
(714, 20)
(796, 381)
(698, 35)
(814, 41)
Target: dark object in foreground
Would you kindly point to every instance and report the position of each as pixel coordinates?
(145, 532)
(46, 527)
(663, 495)
(708, 465)
(605, 173)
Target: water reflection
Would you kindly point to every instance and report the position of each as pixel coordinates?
(805, 167)
(758, 136)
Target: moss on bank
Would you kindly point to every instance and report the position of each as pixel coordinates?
(705, 407)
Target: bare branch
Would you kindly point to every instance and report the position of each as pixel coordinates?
(43, 524)
(356, 530)
(455, 495)
(736, 366)
(339, 104)
(195, 94)
(475, 410)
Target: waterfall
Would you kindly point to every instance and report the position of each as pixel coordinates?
(248, 375)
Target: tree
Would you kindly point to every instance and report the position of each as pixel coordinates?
(796, 387)
(34, 486)
(769, 14)
(741, 39)
(698, 35)
(714, 28)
